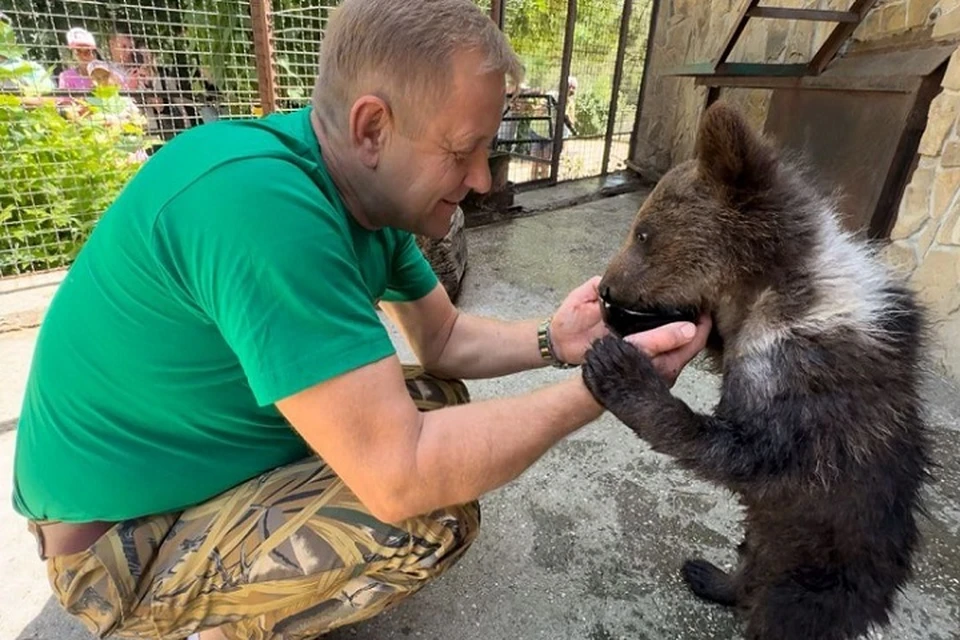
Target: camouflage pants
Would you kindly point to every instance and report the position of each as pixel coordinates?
(288, 555)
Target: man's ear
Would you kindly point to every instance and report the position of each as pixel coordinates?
(370, 121)
(731, 154)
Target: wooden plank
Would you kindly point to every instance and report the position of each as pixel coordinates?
(564, 89)
(645, 76)
(736, 69)
(263, 51)
(496, 12)
(738, 27)
(814, 15)
(617, 80)
(840, 34)
(882, 84)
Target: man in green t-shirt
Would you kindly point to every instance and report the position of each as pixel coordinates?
(217, 435)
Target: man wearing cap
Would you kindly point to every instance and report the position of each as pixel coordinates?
(217, 436)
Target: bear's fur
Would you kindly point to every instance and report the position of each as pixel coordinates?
(820, 428)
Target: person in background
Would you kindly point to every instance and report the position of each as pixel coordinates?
(84, 48)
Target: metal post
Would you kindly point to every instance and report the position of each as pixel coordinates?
(644, 78)
(564, 88)
(617, 79)
(496, 12)
(263, 50)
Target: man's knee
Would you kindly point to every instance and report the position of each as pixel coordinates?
(441, 538)
(432, 392)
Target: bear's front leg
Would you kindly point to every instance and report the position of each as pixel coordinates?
(627, 384)
(625, 381)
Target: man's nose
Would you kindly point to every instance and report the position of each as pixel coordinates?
(478, 175)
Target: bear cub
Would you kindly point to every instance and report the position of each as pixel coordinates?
(820, 428)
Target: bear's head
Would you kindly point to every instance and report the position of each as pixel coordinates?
(716, 229)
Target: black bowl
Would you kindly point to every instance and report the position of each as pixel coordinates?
(624, 322)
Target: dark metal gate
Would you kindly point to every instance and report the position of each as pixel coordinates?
(574, 116)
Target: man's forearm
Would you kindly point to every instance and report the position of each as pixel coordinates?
(465, 451)
(484, 348)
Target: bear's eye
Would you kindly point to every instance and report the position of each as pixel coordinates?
(642, 236)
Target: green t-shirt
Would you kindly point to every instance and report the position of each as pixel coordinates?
(226, 276)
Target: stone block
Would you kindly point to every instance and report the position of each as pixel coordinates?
(894, 19)
(951, 154)
(915, 207)
(871, 26)
(951, 79)
(937, 278)
(948, 340)
(949, 233)
(944, 190)
(902, 256)
(919, 12)
(948, 24)
(776, 41)
(940, 120)
(925, 238)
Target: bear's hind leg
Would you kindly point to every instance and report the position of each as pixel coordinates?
(811, 605)
(709, 582)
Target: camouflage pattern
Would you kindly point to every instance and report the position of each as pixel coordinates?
(291, 554)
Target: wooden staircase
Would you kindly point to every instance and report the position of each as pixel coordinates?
(720, 73)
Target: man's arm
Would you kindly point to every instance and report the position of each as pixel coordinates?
(401, 463)
(451, 343)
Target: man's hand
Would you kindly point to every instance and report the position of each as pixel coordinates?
(577, 323)
(670, 354)
(637, 370)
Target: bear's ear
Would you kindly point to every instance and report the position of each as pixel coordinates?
(730, 153)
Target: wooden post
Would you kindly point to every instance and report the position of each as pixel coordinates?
(263, 50)
(564, 88)
(617, 80)
(644, 77)
(496, 12)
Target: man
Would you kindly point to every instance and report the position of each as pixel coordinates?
(218, 330)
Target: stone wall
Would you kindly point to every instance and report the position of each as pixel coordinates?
(925, 240)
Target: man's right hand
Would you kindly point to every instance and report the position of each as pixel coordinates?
(673, 346)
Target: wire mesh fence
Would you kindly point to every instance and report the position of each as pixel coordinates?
(591, 142)
(87, 92)
(89, 89)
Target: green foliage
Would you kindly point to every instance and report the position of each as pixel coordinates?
(591, 112)
(59, 170)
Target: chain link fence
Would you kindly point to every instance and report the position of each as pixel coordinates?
(90, 89)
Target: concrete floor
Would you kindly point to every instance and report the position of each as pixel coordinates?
(587, 543)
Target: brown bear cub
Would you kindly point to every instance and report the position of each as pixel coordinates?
(819, 430)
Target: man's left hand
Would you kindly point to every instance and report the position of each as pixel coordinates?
(577, 323)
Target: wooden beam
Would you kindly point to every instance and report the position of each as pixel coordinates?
(564, 89)
(814, 15)
(738, 27)
(496, 12)
(840, 34)
(881, 84)
(645, 76)
(617, 80)
(737, 69)
(263, 52)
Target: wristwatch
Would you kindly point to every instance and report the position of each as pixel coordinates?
(546, 347)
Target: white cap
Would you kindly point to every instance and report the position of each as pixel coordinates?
(80, 38)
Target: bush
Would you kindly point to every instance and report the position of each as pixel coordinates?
(591, 112)
(60, 167)
(57, 175)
